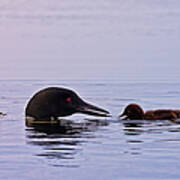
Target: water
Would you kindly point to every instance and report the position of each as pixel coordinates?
(111, 53)
(93, 148)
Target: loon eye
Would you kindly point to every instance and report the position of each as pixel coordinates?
(68, 99)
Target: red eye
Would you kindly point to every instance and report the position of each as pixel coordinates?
(69, 100)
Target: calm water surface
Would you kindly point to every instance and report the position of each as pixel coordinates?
(91, 148)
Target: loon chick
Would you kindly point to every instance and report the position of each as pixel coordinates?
(135, 112)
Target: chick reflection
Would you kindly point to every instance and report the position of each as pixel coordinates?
(133, 127)
(61, 141)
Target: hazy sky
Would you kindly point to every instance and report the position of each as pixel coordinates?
(82, 39)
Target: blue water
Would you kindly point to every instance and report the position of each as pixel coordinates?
(94, 148)
(111, 53)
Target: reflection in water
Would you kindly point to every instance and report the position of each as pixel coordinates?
(137, 133)
(137, 127)
(133, 127)
(62, 140)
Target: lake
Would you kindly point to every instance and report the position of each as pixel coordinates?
(94, 148)
(112, 53)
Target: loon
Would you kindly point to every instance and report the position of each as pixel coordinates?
(53, 102)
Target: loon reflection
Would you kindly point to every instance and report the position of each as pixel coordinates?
(60, 143)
